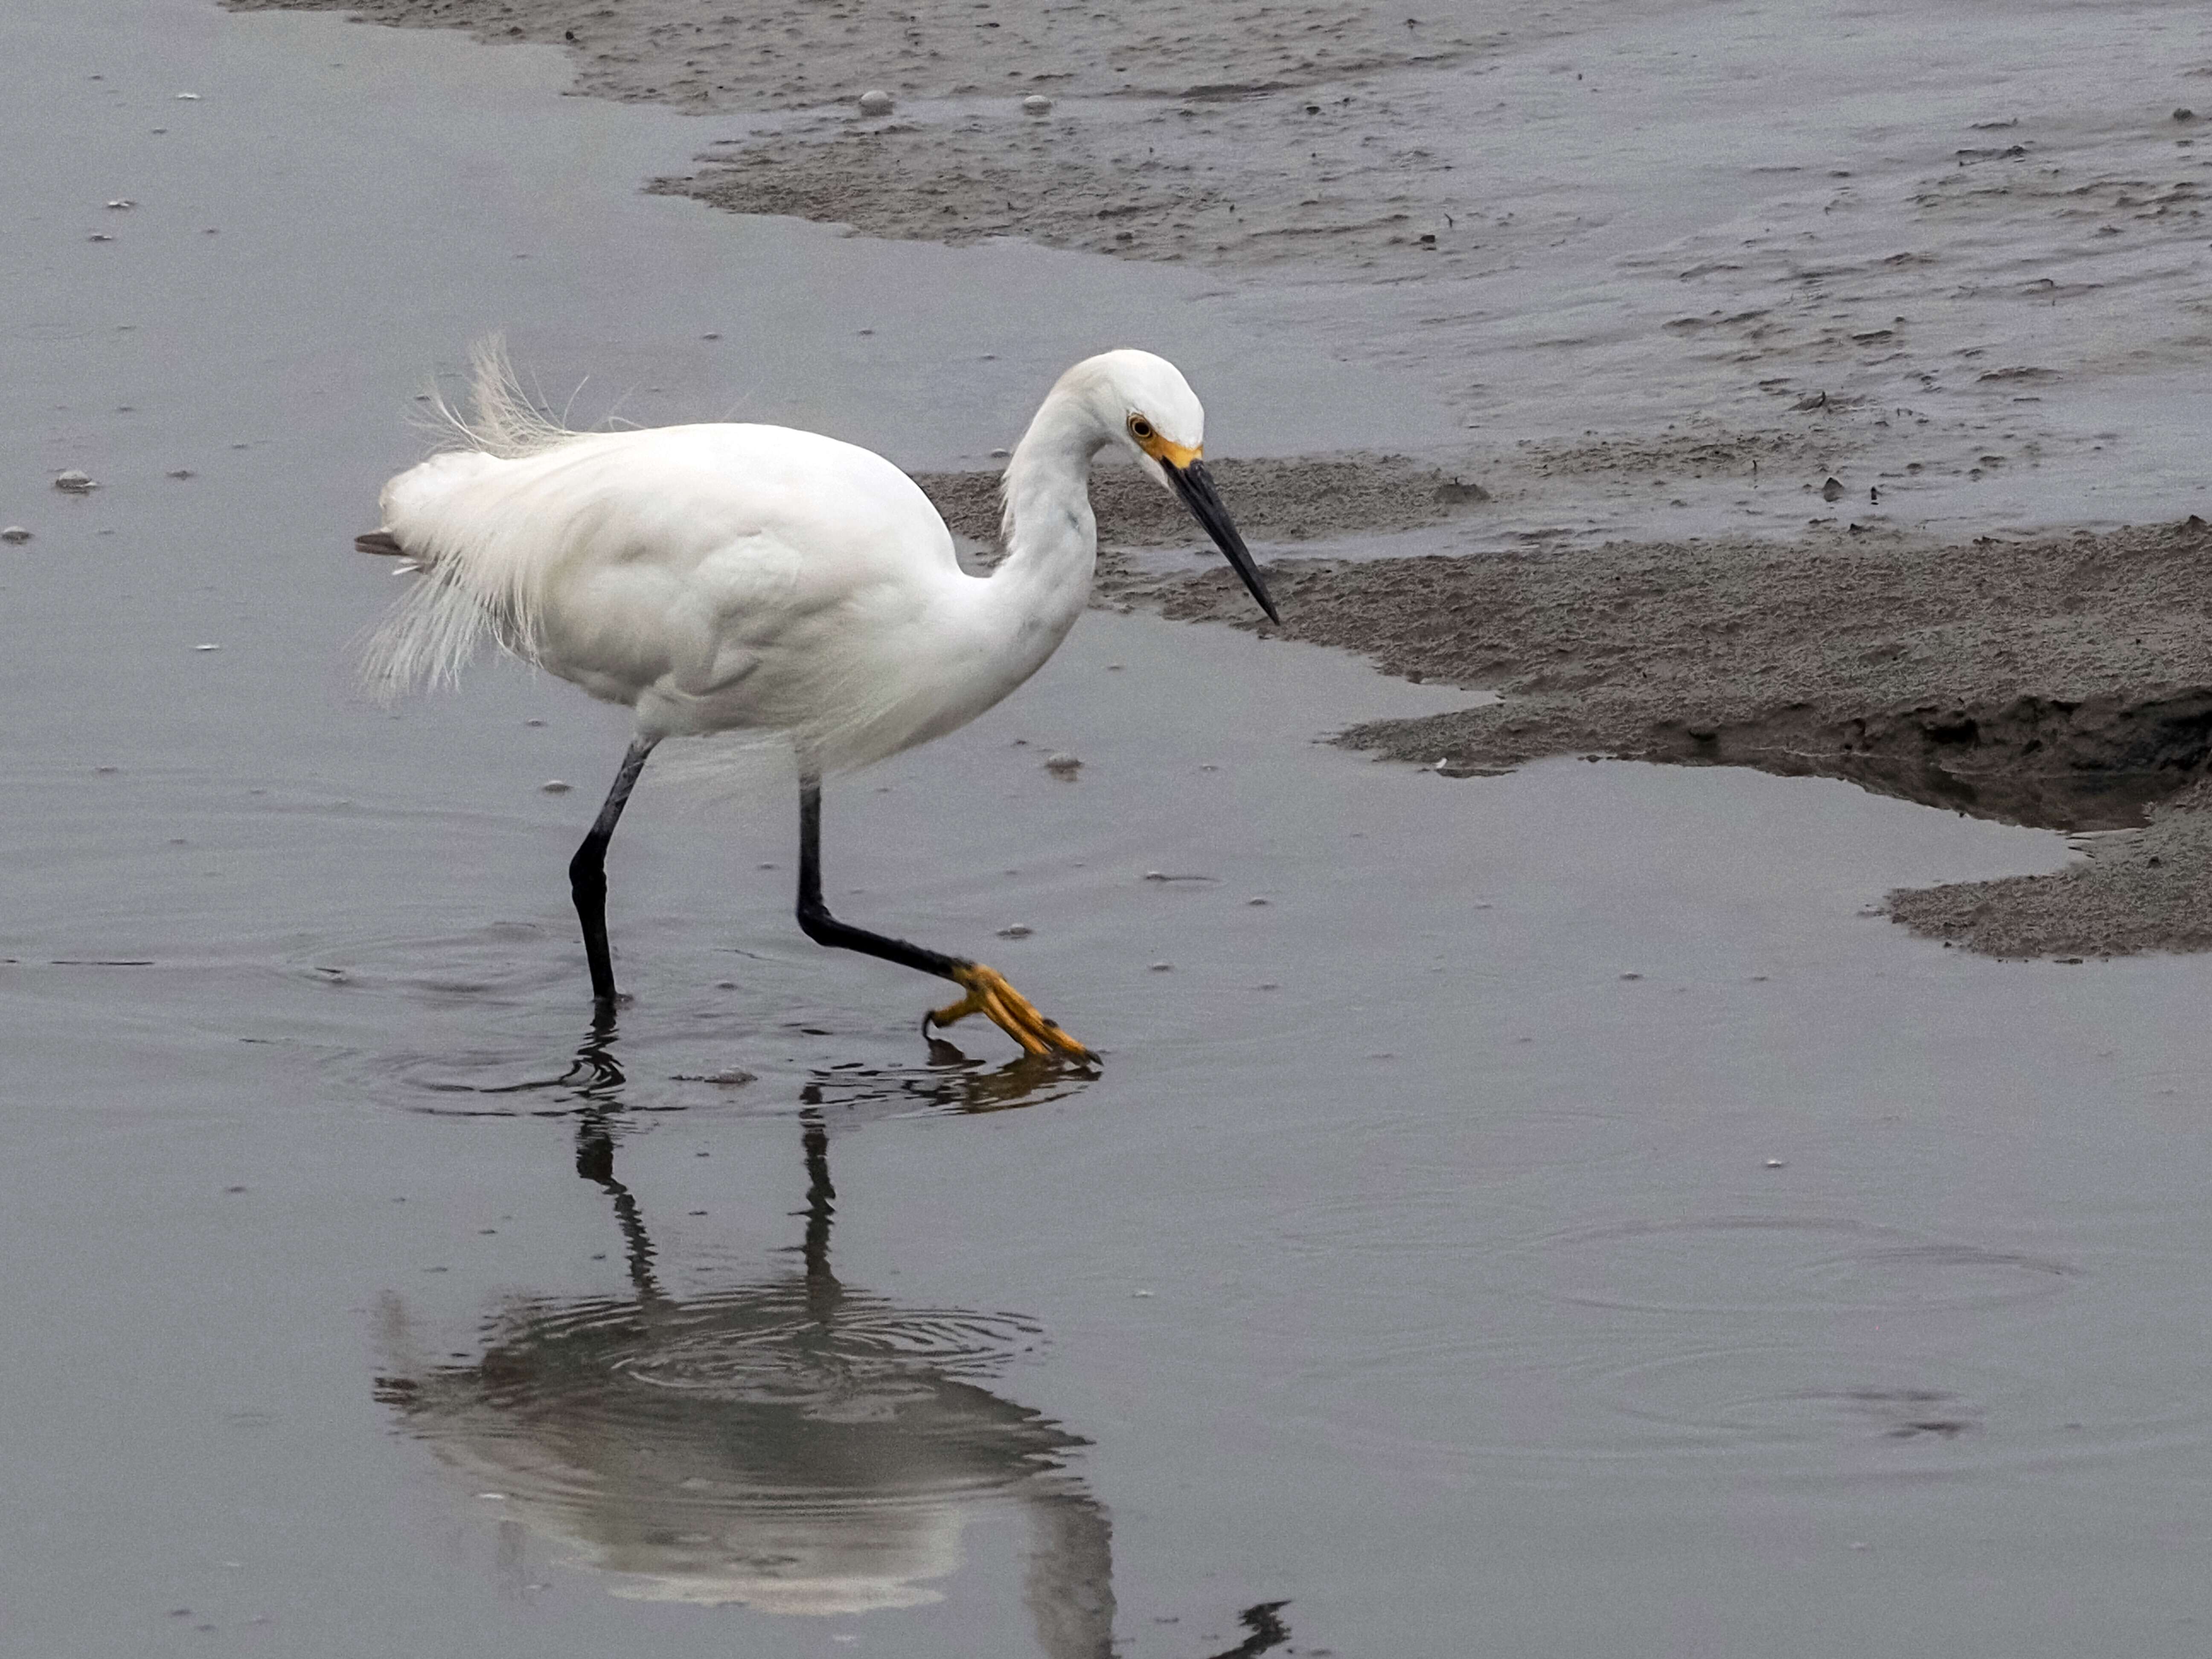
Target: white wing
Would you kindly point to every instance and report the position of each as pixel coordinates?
(703, 570)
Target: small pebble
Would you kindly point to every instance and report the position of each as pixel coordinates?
(1163, 967)
(1016, 930)
(75, 482)
(121, 204)
(188, 97)
(1002, 454)
(1036, 104)
(1062, 765)
(15, 535)
(554, 786)
(100, 236)
(208, 645)
(1631, 976)
(181, 472)
(1255, 901)
(1775, 1164)
(876, 102)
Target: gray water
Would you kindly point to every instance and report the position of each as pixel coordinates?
(1560, 1219)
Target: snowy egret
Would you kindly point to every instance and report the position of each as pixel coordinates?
(720, 578)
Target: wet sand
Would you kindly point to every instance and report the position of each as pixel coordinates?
(1897, 664)
(1291, 499)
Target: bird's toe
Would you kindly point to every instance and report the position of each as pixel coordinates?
(990, 995)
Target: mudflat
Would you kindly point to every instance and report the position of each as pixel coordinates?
(1895, 664)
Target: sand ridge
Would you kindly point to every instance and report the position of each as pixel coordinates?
(1897, 663)
(1277, 499)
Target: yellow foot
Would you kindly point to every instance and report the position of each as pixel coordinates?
(1009, 1010)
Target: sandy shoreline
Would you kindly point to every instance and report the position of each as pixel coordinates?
(1769, 407)
(1899, 666)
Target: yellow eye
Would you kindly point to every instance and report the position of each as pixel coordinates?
(1139, 427)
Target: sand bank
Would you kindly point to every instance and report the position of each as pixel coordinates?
(1899, 664)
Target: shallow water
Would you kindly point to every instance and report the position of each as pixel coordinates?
(1558, 1219)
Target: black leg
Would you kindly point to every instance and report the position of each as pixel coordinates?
(587, 872)
(818, 924)
(987, 991)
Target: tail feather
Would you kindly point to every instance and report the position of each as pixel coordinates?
(478, 585)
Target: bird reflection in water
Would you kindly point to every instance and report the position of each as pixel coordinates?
(796, 1445)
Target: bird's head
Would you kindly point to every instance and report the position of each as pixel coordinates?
(1146, 402)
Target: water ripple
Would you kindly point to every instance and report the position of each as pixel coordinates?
(1754, 1264)
(794, 1444)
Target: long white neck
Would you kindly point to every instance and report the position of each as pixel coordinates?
(1007, 624)
(1042, 584)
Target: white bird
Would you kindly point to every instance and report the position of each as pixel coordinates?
(719, 578)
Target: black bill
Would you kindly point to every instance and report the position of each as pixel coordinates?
(1195, 485)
